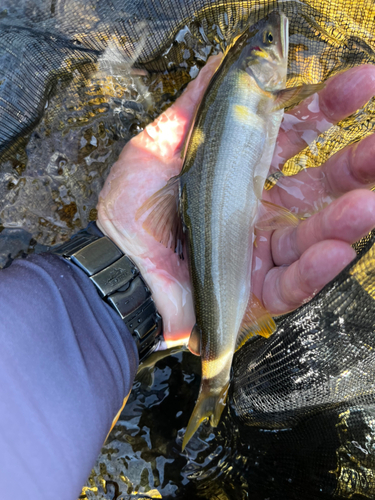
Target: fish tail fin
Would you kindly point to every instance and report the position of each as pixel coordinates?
(208, 406)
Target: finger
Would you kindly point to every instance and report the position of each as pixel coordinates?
(262, 261)
(343, 95)
(312, 189)
(304, 193)
(165, 136)
(347, 219)
(286, 288)
(351, 168)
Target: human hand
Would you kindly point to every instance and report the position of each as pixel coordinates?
(290, 265)
(144, 166)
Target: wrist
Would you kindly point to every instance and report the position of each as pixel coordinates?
(118, 282)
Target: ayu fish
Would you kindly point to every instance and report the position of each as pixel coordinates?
(226, 161)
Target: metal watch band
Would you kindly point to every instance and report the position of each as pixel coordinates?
(119, 283)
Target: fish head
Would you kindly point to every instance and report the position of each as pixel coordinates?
(266, 52)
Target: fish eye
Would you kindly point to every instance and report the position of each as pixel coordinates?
(268, 37)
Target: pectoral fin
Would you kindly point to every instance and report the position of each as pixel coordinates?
(256, 321)
(164, 221)
(271, 216)
(294, 95)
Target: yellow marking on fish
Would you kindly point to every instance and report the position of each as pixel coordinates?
(243, 114)
(213, 367)
(244, 79)
(197, 138)
(259, 53)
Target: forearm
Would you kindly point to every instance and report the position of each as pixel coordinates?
(66, 364)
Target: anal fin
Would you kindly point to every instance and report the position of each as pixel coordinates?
(256, 321)
(145, 373)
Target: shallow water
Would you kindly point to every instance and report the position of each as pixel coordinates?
(300, 418)
(142, 457)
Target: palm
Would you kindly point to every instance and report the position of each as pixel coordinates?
(290, 265)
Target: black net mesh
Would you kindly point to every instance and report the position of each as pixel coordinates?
(304, 399)
(321, 354)
(314, 379)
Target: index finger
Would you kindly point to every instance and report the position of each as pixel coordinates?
(343, 95)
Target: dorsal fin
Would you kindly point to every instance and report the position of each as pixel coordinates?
(164, 221)
(256, 321)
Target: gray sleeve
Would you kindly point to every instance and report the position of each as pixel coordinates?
(66, 364)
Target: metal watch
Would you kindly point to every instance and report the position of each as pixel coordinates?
(118, 282)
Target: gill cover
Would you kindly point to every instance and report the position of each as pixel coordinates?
(267, 52)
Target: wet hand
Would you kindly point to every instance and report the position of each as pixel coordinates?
(289, 265)
(144, 166)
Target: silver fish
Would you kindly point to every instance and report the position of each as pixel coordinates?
(226, 162)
